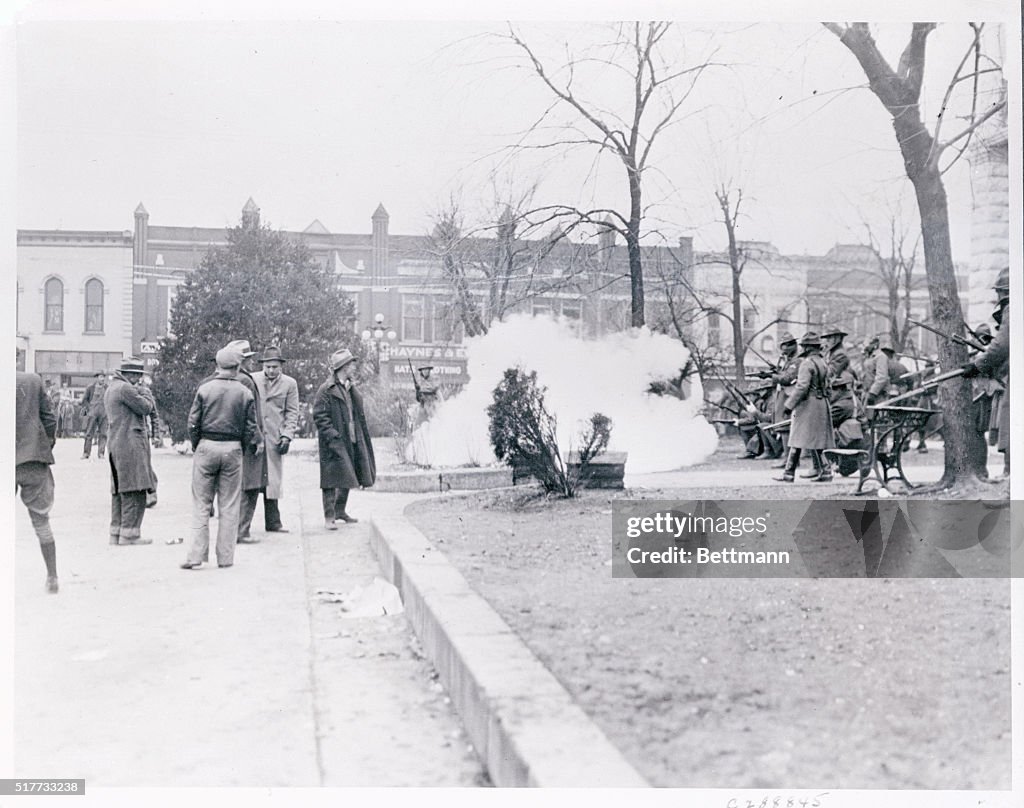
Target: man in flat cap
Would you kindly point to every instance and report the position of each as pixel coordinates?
(279, 402)
(346, 453)
(222, 429)
(128, 402)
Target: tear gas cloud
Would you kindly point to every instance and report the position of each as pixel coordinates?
(610, 375)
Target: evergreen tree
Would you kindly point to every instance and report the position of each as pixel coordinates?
(261, 287)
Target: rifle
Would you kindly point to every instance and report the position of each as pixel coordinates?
(959, 340)
(415, 382)
(942, 377)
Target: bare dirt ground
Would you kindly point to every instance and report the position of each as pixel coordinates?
(862, 683)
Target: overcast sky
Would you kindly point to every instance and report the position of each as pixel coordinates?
(324, 119)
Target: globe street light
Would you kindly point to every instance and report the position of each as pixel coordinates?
(380, 333)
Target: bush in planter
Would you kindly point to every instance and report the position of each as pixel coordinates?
(522, 433)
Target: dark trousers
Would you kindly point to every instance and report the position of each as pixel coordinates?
(126, 512)
(271, 513)
(96, 429)
(335, 500)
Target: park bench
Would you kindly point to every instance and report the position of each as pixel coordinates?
(890, 429)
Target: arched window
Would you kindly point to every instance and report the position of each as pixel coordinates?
(54, 294)
(94, 305)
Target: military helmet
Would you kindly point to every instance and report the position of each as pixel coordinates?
(1002, 285)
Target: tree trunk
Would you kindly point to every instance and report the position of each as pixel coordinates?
(961, 441)
(636, 272)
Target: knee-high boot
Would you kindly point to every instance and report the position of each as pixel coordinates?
(822, 465)
(792, 461)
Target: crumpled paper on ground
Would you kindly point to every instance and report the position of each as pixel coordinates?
(376, 599)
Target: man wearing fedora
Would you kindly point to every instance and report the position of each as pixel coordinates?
(254, 465)
(128, 402)
(222, 428)
(809, 404)
(346, 453)
(279, 399)
(95, 415)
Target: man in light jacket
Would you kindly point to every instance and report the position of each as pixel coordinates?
(279, 399)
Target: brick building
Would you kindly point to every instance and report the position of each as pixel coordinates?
(87, 298)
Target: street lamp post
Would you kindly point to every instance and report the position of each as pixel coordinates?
(380, 333)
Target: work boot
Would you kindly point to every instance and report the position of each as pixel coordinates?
(792, 461)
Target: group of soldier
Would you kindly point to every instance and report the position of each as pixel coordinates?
(817, 397)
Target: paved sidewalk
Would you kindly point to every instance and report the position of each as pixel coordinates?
(139, 673)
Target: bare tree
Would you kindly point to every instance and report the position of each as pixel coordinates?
(660, 88)
(494, 266)
(896, 269)
(922, 149)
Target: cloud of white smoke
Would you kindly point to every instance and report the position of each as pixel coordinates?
(610, 376)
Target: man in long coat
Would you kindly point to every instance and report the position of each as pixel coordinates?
(35, 430)
(254, 465)
(346, 453)
(279, 396)
(128, 402)
(812, 422)
(95, 414)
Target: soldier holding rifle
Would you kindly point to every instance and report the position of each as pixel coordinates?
(994, 363)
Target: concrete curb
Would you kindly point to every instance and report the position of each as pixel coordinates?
(425, 481)
(524, 724)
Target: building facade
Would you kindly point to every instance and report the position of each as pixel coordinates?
(87, 298)
(74, 303)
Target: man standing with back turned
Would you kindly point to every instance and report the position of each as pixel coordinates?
(222, 427)
(35, 428)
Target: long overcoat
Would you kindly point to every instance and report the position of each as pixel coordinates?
(344, 462)
(127, 438)
(812, 421)
(254, 466)
(280, 401)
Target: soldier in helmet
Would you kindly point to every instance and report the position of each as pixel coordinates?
(994, 363)
(833, 351)
(876, 383)
(784, 377)
(812, 422)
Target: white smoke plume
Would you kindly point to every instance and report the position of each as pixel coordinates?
(610, 376)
